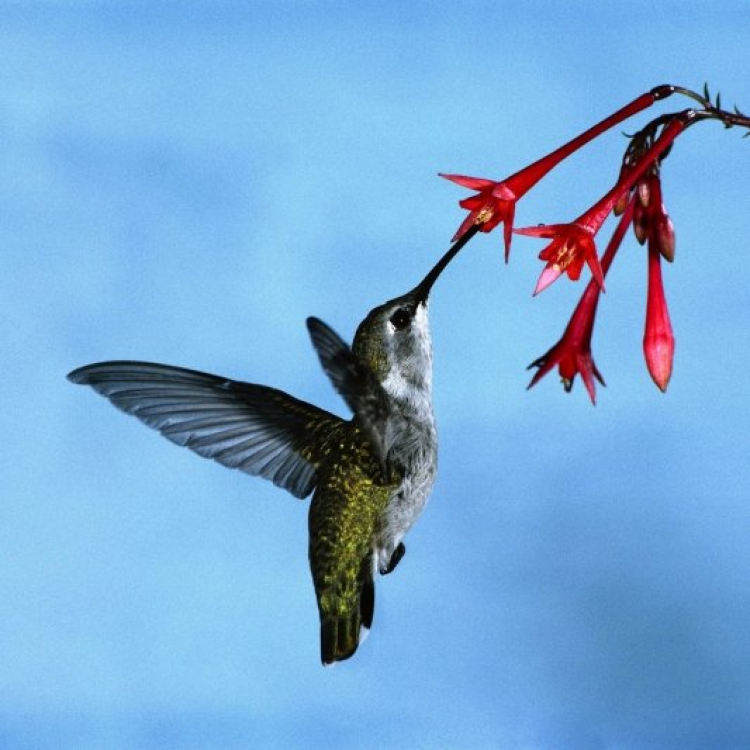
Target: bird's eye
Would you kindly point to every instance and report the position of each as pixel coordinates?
(401, 318)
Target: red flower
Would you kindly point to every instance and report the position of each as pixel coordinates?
(495, 202)
(572, 353)
(571, 245)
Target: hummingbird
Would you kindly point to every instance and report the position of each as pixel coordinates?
(371, 475)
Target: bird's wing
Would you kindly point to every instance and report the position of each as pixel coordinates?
(256, 429)
(356, 382)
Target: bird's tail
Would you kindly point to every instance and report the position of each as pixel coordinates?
(342, 632)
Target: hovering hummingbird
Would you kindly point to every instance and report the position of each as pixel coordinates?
(371, 475)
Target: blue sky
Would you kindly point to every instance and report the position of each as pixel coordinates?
(186, 183)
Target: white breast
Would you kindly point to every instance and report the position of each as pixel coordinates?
(416, 448)
(410, 435)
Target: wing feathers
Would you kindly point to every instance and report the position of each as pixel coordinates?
(256, 429)
(356, 382)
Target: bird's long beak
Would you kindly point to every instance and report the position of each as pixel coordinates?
(422, 290)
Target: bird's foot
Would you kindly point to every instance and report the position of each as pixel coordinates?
(398, 553)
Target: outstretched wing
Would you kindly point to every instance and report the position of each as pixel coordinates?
(355, 381)
(256, 429)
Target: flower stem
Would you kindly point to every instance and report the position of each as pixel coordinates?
(596, 215)
(526, 178)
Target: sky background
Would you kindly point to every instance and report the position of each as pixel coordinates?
(186, 183)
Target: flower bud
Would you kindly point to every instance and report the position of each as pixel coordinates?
(644, 192)
(658, 339)
(665, 237)
(622, 203)
(640, 222)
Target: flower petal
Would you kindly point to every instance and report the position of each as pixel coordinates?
(587, 369)
(475, 202)
(473, 183)
(542, 230)
(549, 275)
(596, 269)
(508, 228)
(465, 224)
(545, 363)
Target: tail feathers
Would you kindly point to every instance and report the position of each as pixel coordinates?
(367, 605)
(341, 635)
(339, 638)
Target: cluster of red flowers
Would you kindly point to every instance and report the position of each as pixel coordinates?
(636, 196)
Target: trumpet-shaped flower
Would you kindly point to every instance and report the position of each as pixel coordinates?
(572, 353)
(494, 203)
(571, 246)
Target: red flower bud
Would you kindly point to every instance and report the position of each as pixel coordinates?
(644, 192)
(664, 236)
(624, 199)
(658, 339)
(640, 222)
(622, 203)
